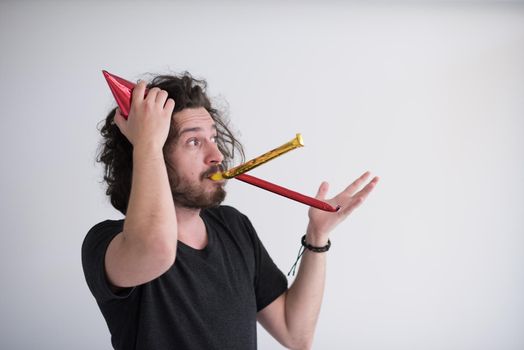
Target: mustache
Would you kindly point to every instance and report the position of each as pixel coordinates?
(212, 170)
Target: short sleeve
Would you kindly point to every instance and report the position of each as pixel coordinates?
(270, 282)
(93, 260)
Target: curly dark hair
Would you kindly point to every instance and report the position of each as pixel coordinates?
(116, 152)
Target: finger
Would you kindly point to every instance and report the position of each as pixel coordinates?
(354, 204)
(351, 189)
(363, 193)
(139, 91)
(152, 94)
(361, 196)
(161, 97)
(322, 190)
(169, 106)
(119, 119)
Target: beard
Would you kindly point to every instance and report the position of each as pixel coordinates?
(192, 194)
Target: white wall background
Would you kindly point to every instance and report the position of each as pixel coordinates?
(428, 95)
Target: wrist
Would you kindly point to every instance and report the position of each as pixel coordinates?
(305, 245)
(316, 239)
(315, 242)
(147, 151)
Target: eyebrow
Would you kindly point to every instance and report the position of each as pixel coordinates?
(195, 129)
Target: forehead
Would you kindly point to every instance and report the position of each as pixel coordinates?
(191, 118)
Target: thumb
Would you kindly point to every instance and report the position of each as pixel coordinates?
(322, 190)
(119, 119)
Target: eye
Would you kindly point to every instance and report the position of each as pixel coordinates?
(193, 142)
(214, 139)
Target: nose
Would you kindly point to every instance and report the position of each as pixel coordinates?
(214, 156)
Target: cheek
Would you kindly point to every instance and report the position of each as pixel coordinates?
(187, 163)
(189, 166)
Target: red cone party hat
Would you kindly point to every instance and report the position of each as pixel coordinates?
(121, 90)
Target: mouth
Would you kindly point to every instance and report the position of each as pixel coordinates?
(217, 176)
(214, 174)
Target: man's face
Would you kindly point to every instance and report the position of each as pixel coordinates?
(194, 156)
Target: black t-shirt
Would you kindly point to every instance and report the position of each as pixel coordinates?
(208, 299)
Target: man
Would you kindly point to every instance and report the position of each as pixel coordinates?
(182, 272)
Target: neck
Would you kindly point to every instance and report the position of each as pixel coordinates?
(191, 228)
(184, 214)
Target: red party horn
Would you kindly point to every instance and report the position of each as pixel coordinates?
(299, 197)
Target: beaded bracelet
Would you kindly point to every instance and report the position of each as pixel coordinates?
(308, 247)
(316, 249)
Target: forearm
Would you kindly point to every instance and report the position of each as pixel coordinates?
(304, 297)
(150, 216)
(292, 317)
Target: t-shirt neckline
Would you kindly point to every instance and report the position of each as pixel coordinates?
(208, 249)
